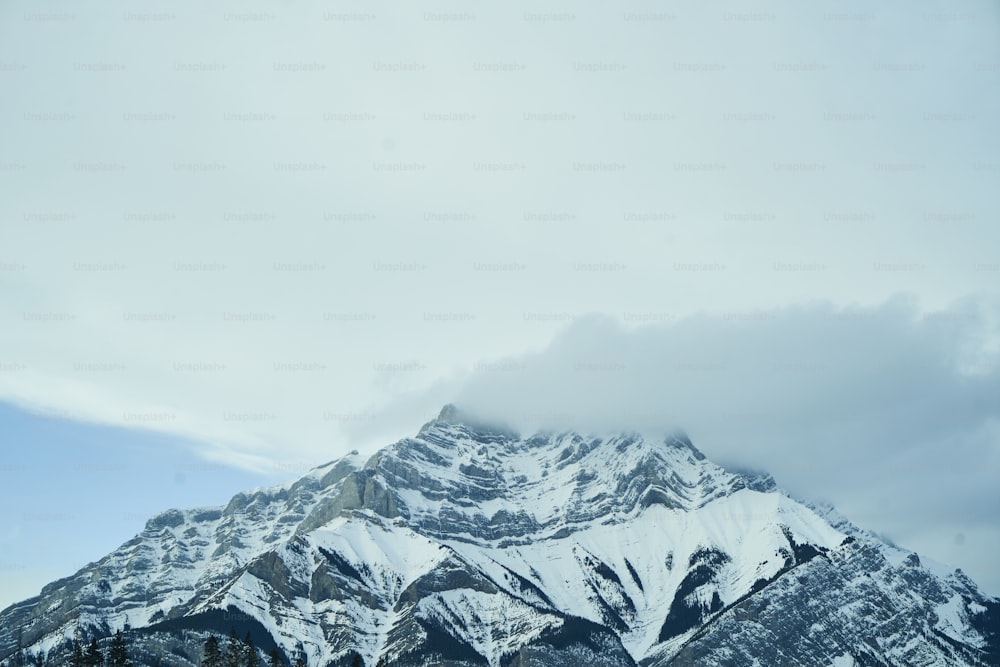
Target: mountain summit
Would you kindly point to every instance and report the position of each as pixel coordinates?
(469, 544)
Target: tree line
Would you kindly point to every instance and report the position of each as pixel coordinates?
(240, 653)
(236, 653)
(91, 656)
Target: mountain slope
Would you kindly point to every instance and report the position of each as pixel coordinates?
(470, 545)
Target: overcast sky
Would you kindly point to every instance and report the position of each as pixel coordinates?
(245, 238)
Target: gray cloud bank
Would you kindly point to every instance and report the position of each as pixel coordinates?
(890, 413)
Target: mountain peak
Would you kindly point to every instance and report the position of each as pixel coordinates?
(452, 415)
(470, 545)
(449, 414)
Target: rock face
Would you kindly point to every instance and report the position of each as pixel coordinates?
(471, 545)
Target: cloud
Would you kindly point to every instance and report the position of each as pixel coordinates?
(891, 413)
(253, 241)
(883, 370)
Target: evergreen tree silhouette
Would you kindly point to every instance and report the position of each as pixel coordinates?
(274, 660)
(212, 656)
(249, 652)
(234, 651)
(76, 658)
(118, 652)
(93, 657)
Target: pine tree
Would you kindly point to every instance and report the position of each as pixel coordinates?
(118, 652)
(249, 652)
(274, 660)
(300, 661)
(357, 662)
(77, 657)
(213, 654)
(234, 654)
(93, 657)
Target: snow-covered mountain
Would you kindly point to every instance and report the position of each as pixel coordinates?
(471, 545)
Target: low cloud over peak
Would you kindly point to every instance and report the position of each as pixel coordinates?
(891, 413)
(746, 371)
